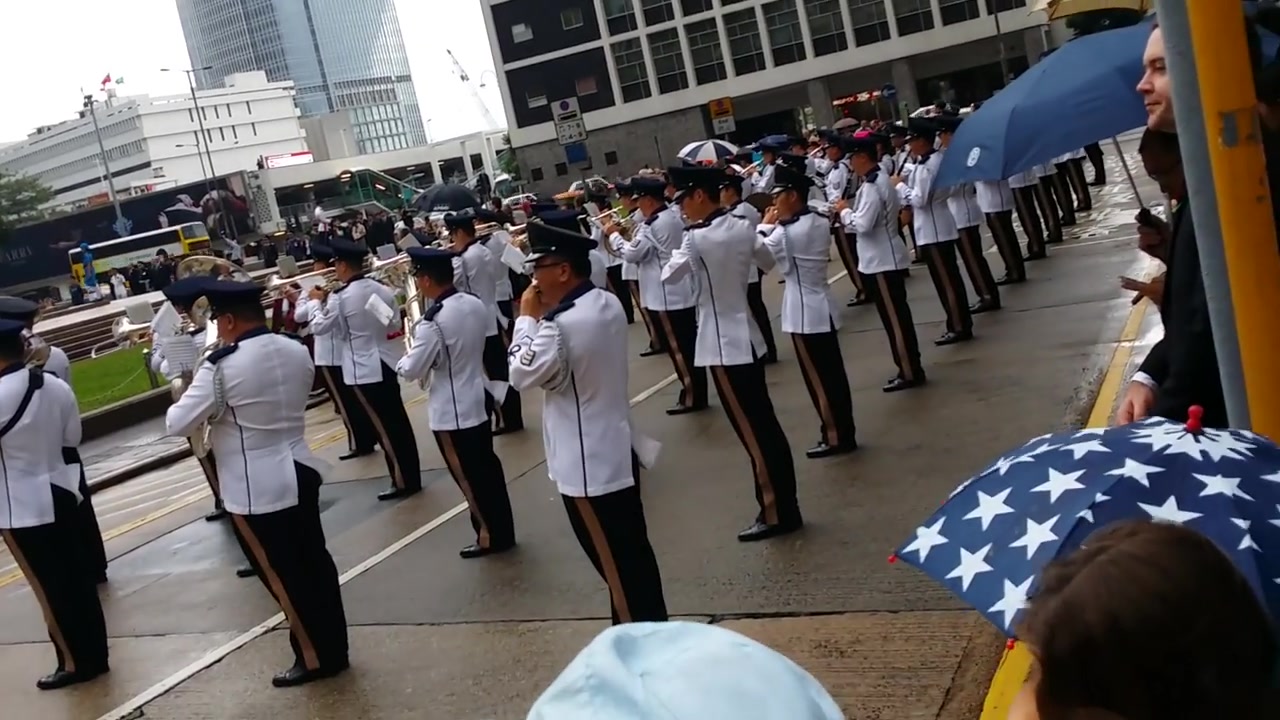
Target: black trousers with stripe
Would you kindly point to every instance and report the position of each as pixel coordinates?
(361, 436)
(382, 401)
(1047, 201)
(1026, 200)
(944, 269)
(760, 313)
(1079, 184)
(1093, 151)
(287, 548)
(612, 532)
(506, 307)
(95, 548)
(613, 275)
(822, 365)
(1061, 185)
(60, 570)
(1001, 226)
(976, 265)
(476, 469)
(210, 469)
(889, 291)
(681, 330)
(745, 396)
(657, 338)
(846, 246)
(508, 414)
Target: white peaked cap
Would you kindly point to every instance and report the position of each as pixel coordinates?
(682, 671)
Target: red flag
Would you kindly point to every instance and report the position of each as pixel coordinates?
(106, 80)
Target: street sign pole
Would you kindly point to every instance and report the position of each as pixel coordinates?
(889, 92)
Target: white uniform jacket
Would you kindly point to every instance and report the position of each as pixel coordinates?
(1045, 170)
(258, 433)
(363, 334)
(801, 246)
(748, 212)
(448, 352)
(58, 364)
(577, 354)
(963, 204)
(762, 181)
(599, 268)
(650, 249)
(1026, 178)
(612, 256)
(994, 196)
(326, 350)
(720, 250)
(838, 182)
(931, 218)
(496, 244)
(873, 216)
(476, 271)
(31, 459)
(629, 269)
(160, 363)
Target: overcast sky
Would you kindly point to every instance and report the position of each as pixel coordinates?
(53, 48)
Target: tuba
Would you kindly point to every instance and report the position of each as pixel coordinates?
(37, 350)
(397, 274)
(199, 316)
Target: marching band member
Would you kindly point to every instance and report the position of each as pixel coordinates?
(883, 260)
(631, 272)
(39, 515)
(903, 164)
(571, 341)
(936, 233)
(1070, 168)
(762, 174)
(963, 204)
(719, 248)
(731, 200)
(599, 200)
(496, 243)
(26, 312)
(575, 222)
(1047, 198)
(474, 272)
(1026, 200)
(253, 391)
(672, 304)
(360, 314)
(1060, 190)
(448, 355)
(800, 241)
(841, 184)
(995, 200)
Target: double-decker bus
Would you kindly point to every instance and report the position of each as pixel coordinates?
(176, 241)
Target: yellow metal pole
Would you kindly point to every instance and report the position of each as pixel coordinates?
(1244, 200)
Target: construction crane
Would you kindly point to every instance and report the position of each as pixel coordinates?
(491, 123)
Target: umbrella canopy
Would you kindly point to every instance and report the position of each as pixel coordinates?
(990, 540)
(707, 152)
(1058, 9)
(1083, 92)
(449, 197)
(843, 123)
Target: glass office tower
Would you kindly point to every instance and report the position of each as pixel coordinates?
(342, 55)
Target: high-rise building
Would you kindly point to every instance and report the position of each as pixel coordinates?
(652, 75)
(343, 56)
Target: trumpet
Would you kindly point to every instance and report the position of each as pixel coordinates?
(323, 279)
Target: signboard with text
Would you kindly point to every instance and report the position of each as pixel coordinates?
(570, 129)
(721, 112)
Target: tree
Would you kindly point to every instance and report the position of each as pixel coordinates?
(1096, 21)
(507, 161)
(20, 201)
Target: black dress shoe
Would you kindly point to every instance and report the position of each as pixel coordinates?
(770, 358)
(650, 352)
(299, 675)
(1084, 208)
(983, 306)
(101, 579)
(858, 300)
(1006, 280)
(398, 493)
(246, 572)
(759, 530)
(951, 338)
(218, 514)
(685, 409)
(62, 678)
(899, 383)
(822, 450)
(1067, 222)
(355, 454)
(471, 552)
(507, 430)
(1097, 182)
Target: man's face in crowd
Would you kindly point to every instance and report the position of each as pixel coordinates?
(1155, 87)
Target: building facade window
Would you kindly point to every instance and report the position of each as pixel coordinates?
(826, 26)
(704, 48)
(562, 169)
(995, 6)
(571, 18)
(610, 157)
(535, 98)
(585, 86)
(633, 76)
(786, 38)
(535, 174)
(657, 11)
(620, 16)
(693, 7)
(957, 11)
(521, 33)
(745, 47)
(913, 16)
(668, 60)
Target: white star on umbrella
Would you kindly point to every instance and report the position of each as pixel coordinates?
(1220, 485)
(989, 506)
(1037, 534)
(1091, 431)
(1221, 444)
(1087, 513)
(1136, 471)
(1169, 512)
(1247, 543)
(1003, 464)
(1276, 522)
(971, 565)
(1273, 477)
(960, 488)
(1080, 449)
(1014, 600)
(1042, 450)
(1059, 483)
(927, 538)
(1158, 436)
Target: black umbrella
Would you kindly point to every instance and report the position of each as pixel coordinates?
(449, 197)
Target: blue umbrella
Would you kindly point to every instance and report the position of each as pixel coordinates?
(990, 540)
(1081, 93)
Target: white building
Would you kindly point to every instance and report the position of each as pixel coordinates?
(153, 143)
(645, 71)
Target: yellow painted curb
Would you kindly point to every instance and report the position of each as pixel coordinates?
(1015, 666)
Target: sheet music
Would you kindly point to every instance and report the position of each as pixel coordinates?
(181, 354)
(513, 258)
(385, 314)
(167, 322)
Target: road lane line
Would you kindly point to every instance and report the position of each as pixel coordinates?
(180, 497)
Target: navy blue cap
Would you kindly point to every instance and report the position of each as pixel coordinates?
(947, 122)
(564, 219)
(484, 214)
(344, 249)
(321, 251)
(464, 220)
(897, 130)
(186, 291)
(688, 178)
(786, 177)
(541, 207)
(793, 161)
(772, 144)
(547, 239)
(831, 137)
(225, 294)
(923, 128)
(426, 258)
(648, 186)
(18, 309)
(623, 187)
(732, 180)
(11, 329)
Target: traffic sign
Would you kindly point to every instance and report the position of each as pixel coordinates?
(570, 128)
(566, 110)
(889, 91)
(720, 108)
(723, 125)
(577, 154)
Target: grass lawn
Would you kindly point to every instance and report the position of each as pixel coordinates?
(108, 379)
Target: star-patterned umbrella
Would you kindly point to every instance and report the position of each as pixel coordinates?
(997, 531)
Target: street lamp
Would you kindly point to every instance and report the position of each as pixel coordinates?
(482, 82)
(993, 7)
(106, 167)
